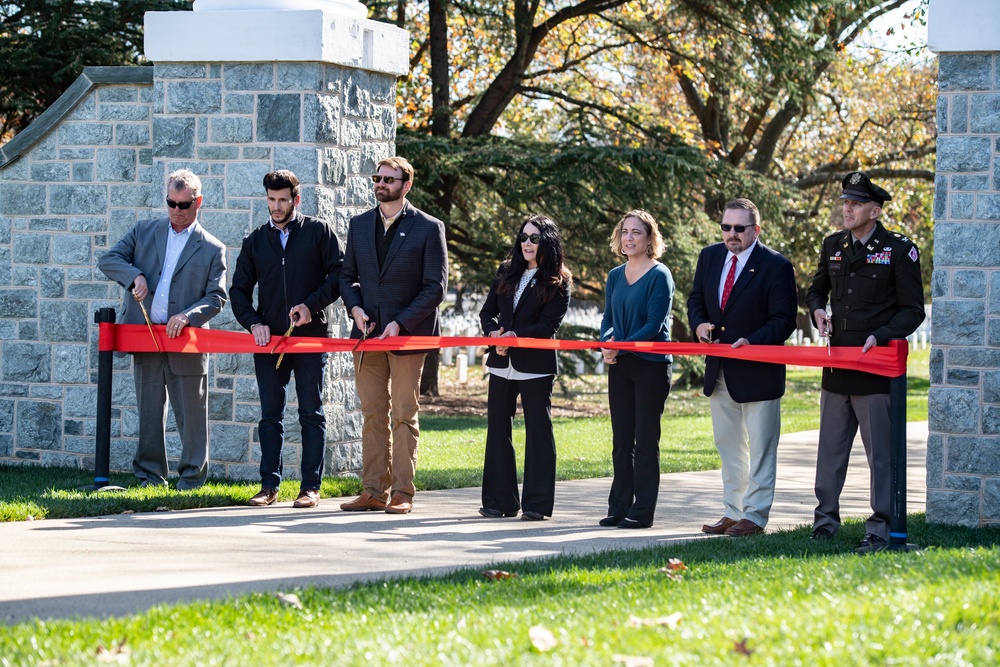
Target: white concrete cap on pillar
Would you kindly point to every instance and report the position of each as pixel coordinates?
(346, 7)
(329, 31)
(963, 26)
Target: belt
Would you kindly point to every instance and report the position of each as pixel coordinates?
(858, 325)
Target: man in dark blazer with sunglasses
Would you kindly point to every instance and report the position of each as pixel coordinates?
(394, 277)
(743, 294)
(177, 270)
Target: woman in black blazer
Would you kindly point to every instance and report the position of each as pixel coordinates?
(528, 298)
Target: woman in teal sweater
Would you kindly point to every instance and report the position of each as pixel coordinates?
(638, 299)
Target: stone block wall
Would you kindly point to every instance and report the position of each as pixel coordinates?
(97, 163)
(963, 450)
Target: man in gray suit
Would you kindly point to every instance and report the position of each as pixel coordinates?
(178, 271)
(394, 277)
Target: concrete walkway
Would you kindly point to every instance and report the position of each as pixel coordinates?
(126, 563)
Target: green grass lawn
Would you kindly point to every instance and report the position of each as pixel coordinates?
(775, 599)
(451, 453)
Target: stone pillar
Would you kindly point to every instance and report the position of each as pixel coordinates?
(963, 448)
(238, 88)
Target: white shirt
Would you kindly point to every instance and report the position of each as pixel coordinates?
(741, 261)
(175, 245)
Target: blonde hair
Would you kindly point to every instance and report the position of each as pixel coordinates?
(656, 245)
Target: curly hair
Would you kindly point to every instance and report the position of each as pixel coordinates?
(552, 273)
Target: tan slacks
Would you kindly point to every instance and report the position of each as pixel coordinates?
(388, 388)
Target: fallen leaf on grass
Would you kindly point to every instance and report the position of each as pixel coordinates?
(671, 621)
(117, 654)
(542, 639)
(673, 569)
(29, 518)
(494, 575)
(633, 660)
(291, 599)
(579, 458)
(162, 508)
(127, 512)
(742, 648)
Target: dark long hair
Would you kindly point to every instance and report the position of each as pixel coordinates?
(552, 273)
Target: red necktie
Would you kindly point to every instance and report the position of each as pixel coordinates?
(728, 287)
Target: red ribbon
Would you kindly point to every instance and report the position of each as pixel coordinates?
(889, 361)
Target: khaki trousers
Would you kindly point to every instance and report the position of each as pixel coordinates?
(746, 435)
(388, 388)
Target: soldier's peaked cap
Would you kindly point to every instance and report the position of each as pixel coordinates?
(858, 187)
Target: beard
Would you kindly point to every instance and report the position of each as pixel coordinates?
(285, 218)
(385, 195)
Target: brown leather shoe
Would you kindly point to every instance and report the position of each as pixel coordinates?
(266, 496)
(307, 498)
(719, 527)
(399, 504)
(745, 528)
(363, 503)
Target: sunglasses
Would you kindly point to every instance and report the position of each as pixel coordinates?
(388, 180)
(739, 229)
(534, 238)
(182, 205)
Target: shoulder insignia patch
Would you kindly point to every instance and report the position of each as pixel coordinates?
(901, 237)
(913, 254)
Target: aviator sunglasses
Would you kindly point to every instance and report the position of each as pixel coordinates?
(739, 229)
(182, 205)
(388, 180)
(534, 238)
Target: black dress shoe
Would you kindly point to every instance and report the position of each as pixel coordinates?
(872, 544)
(532, 516)
(491, 513)
(632, 523)
(821, 533)
(610, 520)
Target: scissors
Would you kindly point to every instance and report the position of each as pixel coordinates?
(149, 324)
(829, 330)
(361, 359)
(291, 328)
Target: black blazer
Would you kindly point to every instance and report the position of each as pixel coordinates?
(531, 319)
(410, 285)
(761, 308)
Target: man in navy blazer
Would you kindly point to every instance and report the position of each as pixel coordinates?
(178, 271)
(394, 277)
(743, 294)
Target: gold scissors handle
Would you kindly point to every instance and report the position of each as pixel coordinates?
(149, 324)
(280, 341)
(361, 358)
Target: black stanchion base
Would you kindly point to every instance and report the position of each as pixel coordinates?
(91, 488)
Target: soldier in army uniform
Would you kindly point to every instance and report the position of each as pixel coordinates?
(871, 277)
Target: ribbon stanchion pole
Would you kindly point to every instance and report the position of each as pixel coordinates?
(897, 461)
(105, 319)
